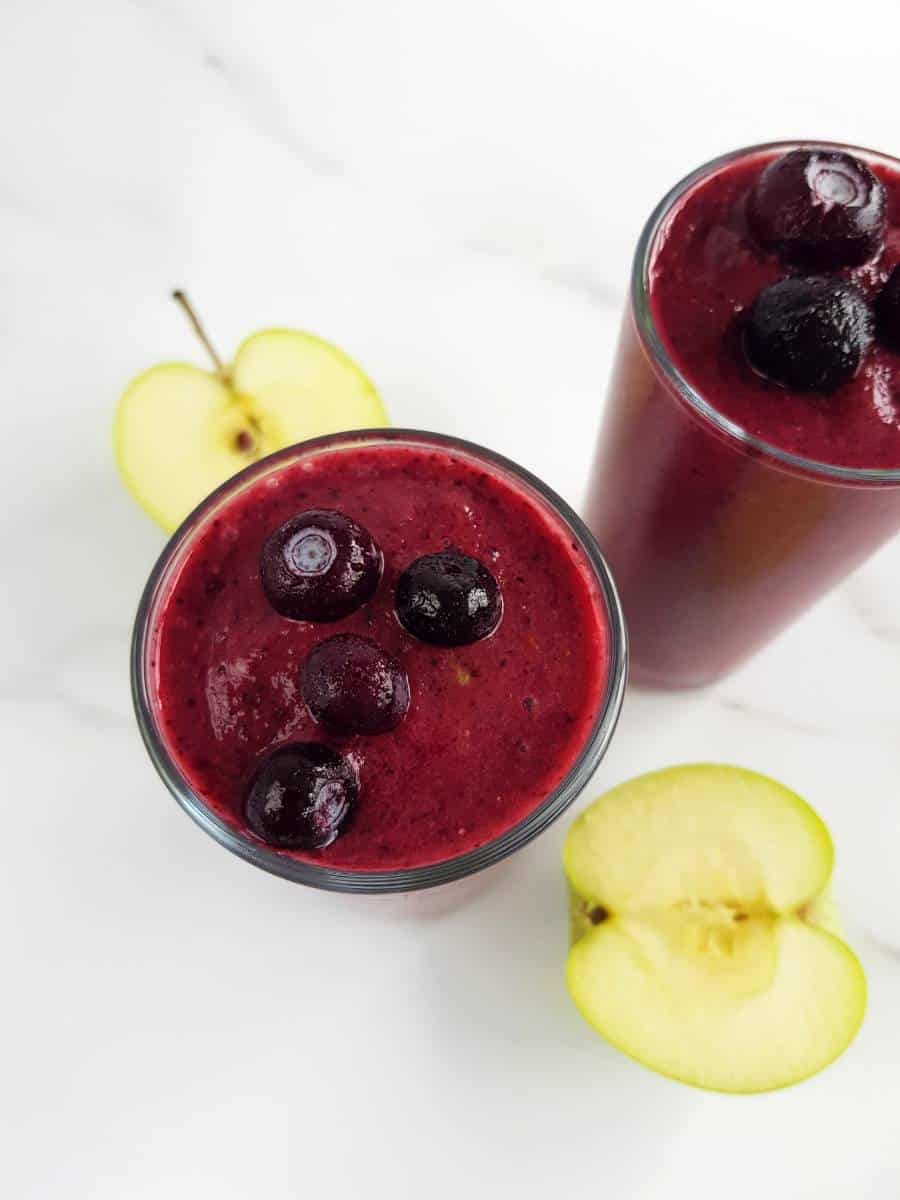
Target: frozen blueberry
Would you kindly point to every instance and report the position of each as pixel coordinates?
(887, 312)
(319, 566)
(818, 209)
(808, 334)
(300, 795)
(449, 599)
(353, 686)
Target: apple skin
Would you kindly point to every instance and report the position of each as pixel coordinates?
(787, 995)
(180, 431)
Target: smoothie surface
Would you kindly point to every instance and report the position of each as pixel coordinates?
(706, 270)
(493, 726)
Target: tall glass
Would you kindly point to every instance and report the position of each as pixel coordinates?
(407, 879)
(717, 539)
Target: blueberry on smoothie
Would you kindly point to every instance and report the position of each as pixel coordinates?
(320, 566)
(351, 685)
(808, 334)
(448, 599)
(300, 796)
(887, 312)
(818, 209)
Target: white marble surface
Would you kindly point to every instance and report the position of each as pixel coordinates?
(452, 192)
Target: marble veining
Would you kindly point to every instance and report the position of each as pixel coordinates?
(249, 86)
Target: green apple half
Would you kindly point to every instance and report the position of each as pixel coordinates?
(704, 944)
(181, 431)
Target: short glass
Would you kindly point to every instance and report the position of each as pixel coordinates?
(717, 539)
(375, 882)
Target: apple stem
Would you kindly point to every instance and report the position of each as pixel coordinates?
(185, 305)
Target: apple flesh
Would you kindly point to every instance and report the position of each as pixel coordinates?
(181, 431)
(704, 942)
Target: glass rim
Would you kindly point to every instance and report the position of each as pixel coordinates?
(409, 878)
(732, 431)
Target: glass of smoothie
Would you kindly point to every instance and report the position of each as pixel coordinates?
(749, 457)
(379, 661)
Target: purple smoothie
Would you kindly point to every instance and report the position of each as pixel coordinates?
(487, 730)
(727, 499)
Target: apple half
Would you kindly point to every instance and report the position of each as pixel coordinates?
(704, 942)
(180, 431)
